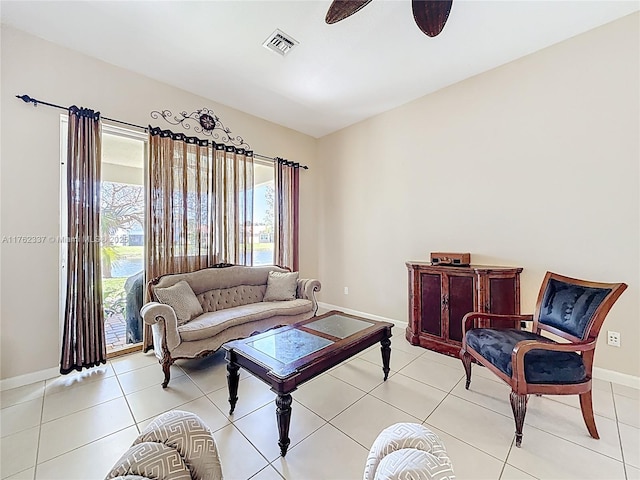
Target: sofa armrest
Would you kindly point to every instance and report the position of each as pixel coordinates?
(162, 318)
(307, 288)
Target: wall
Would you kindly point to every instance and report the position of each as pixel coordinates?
(30, 176)
(534, 164)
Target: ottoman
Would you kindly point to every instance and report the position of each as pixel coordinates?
(176, 445)
(408, 451)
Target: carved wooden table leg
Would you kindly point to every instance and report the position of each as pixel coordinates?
(283, 415)
(233, 378)
(386, 355)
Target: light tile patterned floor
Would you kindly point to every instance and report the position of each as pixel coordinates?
(76, 427)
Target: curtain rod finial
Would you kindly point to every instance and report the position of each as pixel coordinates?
(28, 99)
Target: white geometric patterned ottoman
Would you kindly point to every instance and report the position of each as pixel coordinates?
(408, 451)
(176, 445)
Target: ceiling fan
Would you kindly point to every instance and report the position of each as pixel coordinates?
(430, 15)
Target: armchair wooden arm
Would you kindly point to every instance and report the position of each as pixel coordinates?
(521, 348)
(468, 321)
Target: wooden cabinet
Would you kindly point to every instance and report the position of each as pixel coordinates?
(440, 296)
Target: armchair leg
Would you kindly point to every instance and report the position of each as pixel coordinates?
(587, 413)
(519, 407)
(166, 368)
(466, 361)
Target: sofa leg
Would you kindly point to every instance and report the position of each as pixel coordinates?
(519, 407)
(466, 361)
(166, 368)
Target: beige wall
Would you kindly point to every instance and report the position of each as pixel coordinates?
(534, 164)
(30, 176)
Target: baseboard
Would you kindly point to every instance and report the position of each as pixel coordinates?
(599, 373)
(616, 377)
(28, 378)
(328, 306)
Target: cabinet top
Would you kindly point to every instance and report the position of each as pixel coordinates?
(458, 268)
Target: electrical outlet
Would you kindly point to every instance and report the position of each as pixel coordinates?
(346, 290)
(613, 338)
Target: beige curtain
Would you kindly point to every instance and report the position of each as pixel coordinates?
(179, 230)
(232, 201)
(83, 339)
(287, 205)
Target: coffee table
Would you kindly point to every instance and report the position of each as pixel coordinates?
(288, 356)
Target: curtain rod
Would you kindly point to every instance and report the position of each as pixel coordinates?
(28, 99)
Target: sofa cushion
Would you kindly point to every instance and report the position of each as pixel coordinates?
(281, 286)
(210, 324)
(182, 299)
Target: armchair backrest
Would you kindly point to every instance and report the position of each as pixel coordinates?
(574, 309)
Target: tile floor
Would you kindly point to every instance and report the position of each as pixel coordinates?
(76, 427)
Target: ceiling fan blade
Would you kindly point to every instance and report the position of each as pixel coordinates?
(341, 9)
(431, 15)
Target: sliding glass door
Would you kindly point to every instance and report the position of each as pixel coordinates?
(122, 208)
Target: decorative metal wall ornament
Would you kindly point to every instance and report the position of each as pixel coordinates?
(206, 122)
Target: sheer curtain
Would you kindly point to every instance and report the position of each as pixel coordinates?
(287, 205)
(83, 339)
(232, 200)
(179, 229)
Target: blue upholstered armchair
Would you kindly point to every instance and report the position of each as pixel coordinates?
(533, 364)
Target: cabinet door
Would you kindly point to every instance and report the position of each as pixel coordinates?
(502, 299)
(431, 285)
(461, 300)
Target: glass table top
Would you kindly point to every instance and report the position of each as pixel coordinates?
(338, 326)
(292, 344)
(289, 345)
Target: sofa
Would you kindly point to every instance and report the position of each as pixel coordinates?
(192, 314)
(176, 445)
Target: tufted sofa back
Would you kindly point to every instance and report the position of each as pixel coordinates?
(218, 299)
(226, 287)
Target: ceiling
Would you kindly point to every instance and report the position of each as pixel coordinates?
(338, 75)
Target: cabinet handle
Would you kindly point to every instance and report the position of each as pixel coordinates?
(487, 307)
(445, 301)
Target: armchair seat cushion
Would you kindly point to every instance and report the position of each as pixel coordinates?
(212, 323)
(540, 366)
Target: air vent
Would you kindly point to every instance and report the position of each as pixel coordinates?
(280, 42)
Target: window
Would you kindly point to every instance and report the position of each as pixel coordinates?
(122, 229)
(263, 213)
(122, 211)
